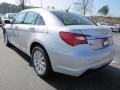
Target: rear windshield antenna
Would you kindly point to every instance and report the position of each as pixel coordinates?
(67, 10)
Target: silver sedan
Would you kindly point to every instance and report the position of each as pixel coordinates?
(60, 41)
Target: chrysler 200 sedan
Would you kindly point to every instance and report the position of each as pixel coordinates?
(60, 41)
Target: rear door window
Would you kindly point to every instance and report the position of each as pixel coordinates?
(31, 18)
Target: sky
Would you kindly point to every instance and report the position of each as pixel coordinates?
(114, 5)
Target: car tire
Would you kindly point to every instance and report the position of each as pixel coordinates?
(112, 29)
(41, 62)
(6, 40)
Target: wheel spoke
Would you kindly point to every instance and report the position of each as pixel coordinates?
(42, 58)
(39, 69)
(36, 54)
(37, 65)
(43, 63)
(42, 67)
(35, 58)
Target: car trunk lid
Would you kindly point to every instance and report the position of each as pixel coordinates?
(97, 36)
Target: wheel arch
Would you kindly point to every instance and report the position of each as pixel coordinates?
(33, 44)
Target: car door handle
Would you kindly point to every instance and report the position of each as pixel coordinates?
(32, 29)
(16, 27)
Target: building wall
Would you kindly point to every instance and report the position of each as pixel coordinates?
(106, 19)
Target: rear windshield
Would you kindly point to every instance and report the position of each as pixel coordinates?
(72, 19)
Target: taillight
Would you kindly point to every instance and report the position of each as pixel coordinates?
(73, 38)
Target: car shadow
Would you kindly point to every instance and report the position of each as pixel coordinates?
(22, 54)
(107, 78)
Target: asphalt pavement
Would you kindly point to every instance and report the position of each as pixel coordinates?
(16, 73)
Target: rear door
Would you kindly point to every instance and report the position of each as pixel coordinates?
(33, 23)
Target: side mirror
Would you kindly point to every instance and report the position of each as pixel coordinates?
(7, 21)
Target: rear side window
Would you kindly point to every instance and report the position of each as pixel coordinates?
(31, 18)
(19, 18)
(40, 21)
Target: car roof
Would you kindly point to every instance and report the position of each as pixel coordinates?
(43, 9)
(49, 18)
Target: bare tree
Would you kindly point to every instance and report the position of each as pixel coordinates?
(22, 3)
(84, 6)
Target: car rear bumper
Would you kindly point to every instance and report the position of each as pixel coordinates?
(77, 64)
